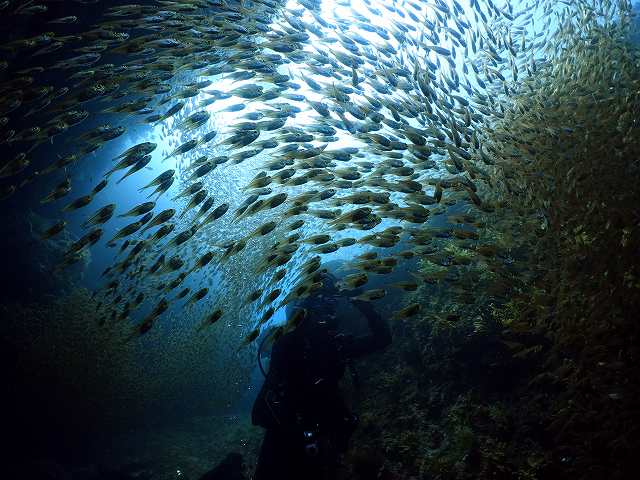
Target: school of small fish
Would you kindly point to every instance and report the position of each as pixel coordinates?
(354, 133)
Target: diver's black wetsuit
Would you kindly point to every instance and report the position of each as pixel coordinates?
(300, 404)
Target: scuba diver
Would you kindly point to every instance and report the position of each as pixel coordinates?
(308, 424)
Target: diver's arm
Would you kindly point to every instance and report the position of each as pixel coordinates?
(379, 338)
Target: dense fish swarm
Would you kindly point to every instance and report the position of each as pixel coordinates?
(462, 143)
(396, 129)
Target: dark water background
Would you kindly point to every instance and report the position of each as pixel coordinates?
(52, 429)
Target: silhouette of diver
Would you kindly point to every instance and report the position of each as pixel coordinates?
(308, 424)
